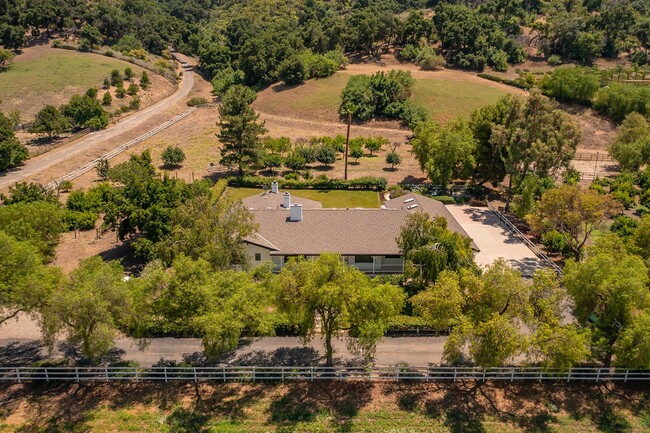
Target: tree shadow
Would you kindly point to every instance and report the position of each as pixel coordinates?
(282, 356)
(412, 180)
(20, 353)
(390, 169)
(73, 352)
(304, 402)
(323, 167)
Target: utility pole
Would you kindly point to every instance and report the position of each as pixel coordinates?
(347, 144)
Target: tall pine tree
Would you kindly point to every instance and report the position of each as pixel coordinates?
(240, 129)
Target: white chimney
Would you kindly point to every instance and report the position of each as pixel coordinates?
(296, 212)
(274, 187)
(286, 200)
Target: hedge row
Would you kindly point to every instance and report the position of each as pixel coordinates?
(363, 183)
(506, 81)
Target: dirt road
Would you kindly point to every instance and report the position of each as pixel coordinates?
(47, 160)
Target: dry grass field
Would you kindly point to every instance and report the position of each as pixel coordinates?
(325, 407)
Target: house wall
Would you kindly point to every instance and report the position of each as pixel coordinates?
(382, 264)
(251, 250)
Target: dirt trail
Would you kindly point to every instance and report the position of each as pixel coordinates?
(44, 162)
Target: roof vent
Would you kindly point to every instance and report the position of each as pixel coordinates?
(296, 212)
(286, 200)
(409, 200)
(274, 187)
(413, 206)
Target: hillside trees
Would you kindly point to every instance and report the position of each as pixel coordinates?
(240, 130)
(340, 297)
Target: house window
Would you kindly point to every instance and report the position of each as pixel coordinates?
(258, 257)
(393, 257)
(363, 259)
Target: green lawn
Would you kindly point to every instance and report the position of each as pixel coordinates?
(327, 407)
(52, 76)
(446, 100)
(320, 99)
(329, 199)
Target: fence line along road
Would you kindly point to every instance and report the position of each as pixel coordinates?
(269, 374)
(113, 153)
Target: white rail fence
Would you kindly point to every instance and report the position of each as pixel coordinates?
(540, 254)
(113, 153)
(270, 374)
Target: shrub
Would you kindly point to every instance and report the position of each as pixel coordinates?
(326, 155)
(618, 100)
(80, 220)
(135, 103)
(444, 199)
(569, 84)
(145, 82)
(499, 60)
(554, 60)
(97, 123)
(293, 70)
(128, 73)
(116, 77)
(133, 89)
(295, 161)
(624, 226)
(65, 186)
(120, 92)
(554, 242)
(292, 176)
(173, 156)
(356, 152)
(92, 92)
(107, 99)
(393, 159)
(197, 101)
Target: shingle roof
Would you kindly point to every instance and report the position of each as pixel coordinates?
(414, 202)
(344, 231)
(269, 200)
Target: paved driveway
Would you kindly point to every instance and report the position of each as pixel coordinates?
(494, 239)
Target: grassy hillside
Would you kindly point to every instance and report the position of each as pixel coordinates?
(320, 99)
(43, 75)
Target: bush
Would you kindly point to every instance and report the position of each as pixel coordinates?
(135, 103)
(522, 84)
(128, 73)
(133, 89)
(444, 199)
(80, 220)
(292, 176)
(295, 161)
(618, 100)
(197, 101)
(173, 156)
(107, 99)
(554, 242)
(326, 155)
(363, 183)
(293, 70)
(554, 60)
(116, 77)
(91, 92)
(624, 226)
(120, 92)
(569, 84)
(393, 159)
(145, 82)
(499, 61)
(66, 186)
(97, 123)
